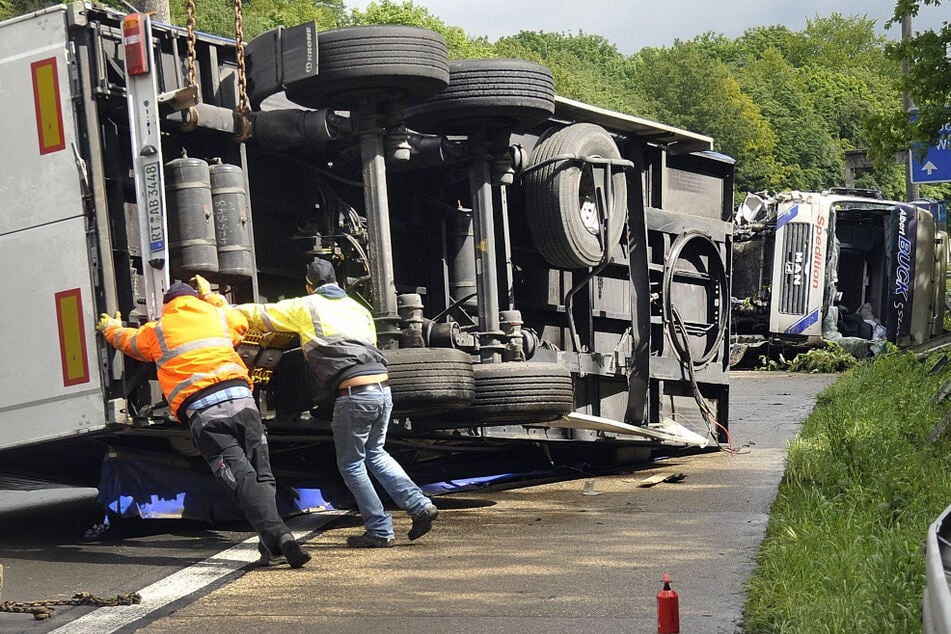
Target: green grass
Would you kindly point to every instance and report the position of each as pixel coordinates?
(844, 545)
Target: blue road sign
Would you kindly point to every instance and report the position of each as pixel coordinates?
(935, 166)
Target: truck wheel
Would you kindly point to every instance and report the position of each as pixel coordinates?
(487, 93)
(379, 62)
(513, 393)
(560, 197)
(429, 380)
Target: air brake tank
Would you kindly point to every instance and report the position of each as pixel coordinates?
(191, 222)
(232, 226)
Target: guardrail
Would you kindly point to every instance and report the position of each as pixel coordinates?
(936, 604)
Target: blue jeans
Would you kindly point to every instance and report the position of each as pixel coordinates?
(359, 430)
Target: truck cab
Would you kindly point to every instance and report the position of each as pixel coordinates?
(841, 265)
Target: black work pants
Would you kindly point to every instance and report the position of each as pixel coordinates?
(230, 437)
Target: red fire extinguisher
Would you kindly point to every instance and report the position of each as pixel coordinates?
(668, 610)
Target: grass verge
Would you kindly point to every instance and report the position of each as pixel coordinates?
(844, 545)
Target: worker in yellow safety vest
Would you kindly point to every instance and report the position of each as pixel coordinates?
(338, 338)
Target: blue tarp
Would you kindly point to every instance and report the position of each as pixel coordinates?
(157, 486)
(137, 483)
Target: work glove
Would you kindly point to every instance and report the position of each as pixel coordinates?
(202, 285)
(105, 321)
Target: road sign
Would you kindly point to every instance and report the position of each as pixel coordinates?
(935, 166)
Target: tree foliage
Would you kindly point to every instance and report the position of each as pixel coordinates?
(10, 8)
(927, 82)
(787, 105)
(806, 150)
(460, 45)
(217, 16)
(690, 88)
(587, 68)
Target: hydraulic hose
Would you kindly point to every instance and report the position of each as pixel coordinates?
(717, 271)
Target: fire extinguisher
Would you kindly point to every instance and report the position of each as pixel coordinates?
(668, 609)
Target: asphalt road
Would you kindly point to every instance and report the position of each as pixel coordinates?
(45, 556)
(545, 556)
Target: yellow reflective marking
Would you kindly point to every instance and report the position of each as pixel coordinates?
(72, 340)
(49, 112)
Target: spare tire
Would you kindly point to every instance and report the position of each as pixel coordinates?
(560, 199)
(487, 93)
(429, 380)
(512, 393)
(374, 63)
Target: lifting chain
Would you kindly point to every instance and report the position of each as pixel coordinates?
(42, 610)
(242, 127)
(192, 70)
(192, 122)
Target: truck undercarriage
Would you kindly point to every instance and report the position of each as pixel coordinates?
(540, 271)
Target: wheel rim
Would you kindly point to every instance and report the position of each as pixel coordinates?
(587, 204)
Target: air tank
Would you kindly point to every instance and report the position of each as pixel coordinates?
(191, 222)
(232, 228)
(460, 245)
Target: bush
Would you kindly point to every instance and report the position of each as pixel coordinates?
(828, 359)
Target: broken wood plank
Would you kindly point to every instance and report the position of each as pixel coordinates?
(657, 478)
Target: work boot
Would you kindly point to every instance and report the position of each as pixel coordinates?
(370, 541)
(295, 555)
(423, 521)
(269, 559)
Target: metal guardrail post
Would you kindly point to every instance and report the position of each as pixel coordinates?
(936, 602)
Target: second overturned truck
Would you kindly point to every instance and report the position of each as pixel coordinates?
(842, 265)
(539, 269)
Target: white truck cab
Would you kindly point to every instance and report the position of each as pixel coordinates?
(838, 264)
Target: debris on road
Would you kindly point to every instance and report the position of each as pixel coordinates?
(658, 478)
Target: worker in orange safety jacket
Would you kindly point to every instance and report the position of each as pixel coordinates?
(208, 388)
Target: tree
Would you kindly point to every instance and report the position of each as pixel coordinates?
(814, 86)
(691, 89)
(10, 8)
(842, 99)
(585, 67)
(927, 81)
(459, 44)
(811, 155)
(217, 16)
(838, 42)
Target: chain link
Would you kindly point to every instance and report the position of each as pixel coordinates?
(242, 126)
(42, 610)
(192, 63)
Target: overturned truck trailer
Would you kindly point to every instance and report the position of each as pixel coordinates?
(541, 271)
(842, 265)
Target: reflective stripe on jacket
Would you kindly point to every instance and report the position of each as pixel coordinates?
(336, 333)
(192, 345)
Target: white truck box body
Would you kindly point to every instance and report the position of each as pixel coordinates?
(51, 381)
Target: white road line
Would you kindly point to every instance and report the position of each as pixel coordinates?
(108, 619)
